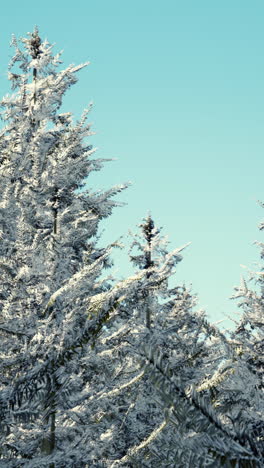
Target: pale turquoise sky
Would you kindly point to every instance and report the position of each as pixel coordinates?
(178, 91)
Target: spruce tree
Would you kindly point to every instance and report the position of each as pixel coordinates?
(54, 302)
(161, 319)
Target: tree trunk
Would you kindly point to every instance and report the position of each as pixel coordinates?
(48, 442)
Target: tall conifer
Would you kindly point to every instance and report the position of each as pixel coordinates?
(53, 301)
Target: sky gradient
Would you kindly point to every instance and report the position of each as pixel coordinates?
(178, 92)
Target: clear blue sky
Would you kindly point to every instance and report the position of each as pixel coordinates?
(178, 91)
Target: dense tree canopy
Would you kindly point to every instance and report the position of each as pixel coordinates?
(97, 372)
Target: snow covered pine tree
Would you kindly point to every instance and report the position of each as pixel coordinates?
(159, 318)
(53, 303)
(178, 333)
(138, 419)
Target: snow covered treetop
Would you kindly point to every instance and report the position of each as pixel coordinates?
(33, 71)
(37, 55)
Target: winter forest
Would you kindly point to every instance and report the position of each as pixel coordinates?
(95, 371)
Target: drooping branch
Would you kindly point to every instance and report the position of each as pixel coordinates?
(162, 377)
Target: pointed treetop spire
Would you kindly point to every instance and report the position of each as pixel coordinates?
(35, 43)
(148, 228)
